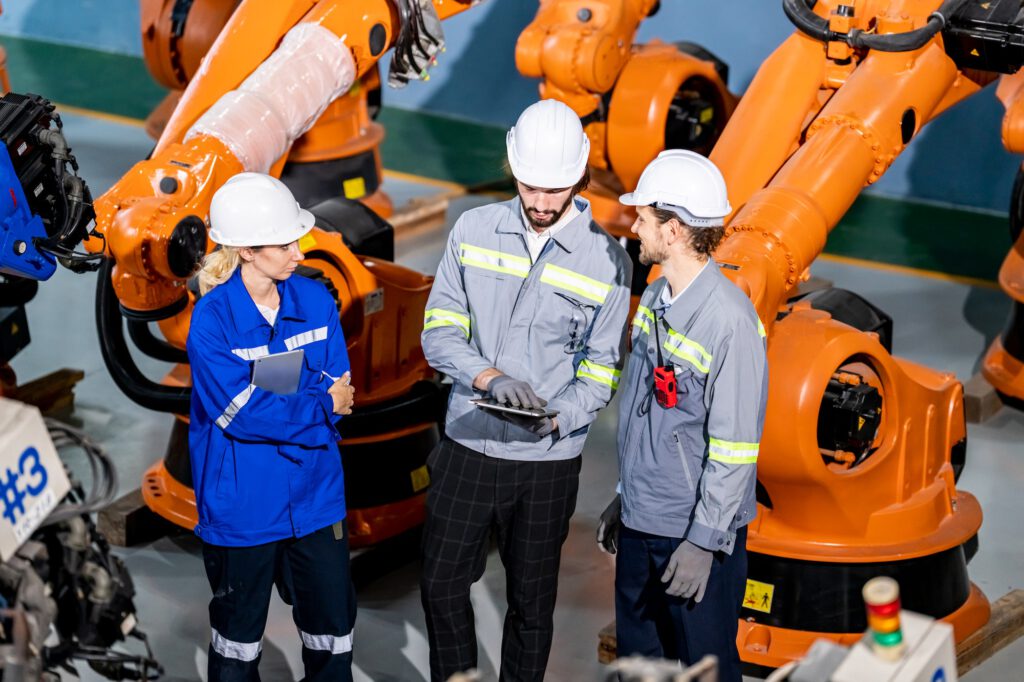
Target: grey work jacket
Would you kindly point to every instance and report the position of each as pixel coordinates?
(690, 471)
(558, 324)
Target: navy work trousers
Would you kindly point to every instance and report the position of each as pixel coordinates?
(650, 623)
(312, 574)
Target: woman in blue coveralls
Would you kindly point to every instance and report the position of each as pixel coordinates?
(266, 468)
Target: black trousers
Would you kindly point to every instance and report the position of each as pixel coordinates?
(529, 505)
(650, 623)
(312, 574)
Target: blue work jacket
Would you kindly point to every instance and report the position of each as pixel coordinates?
(264, 466)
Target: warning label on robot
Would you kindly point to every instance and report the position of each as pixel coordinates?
(758, 596)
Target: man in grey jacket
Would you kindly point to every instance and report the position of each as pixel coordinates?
(529, 308)
(690, 421)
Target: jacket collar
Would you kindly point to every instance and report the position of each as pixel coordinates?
(680, 314)
(569, 237)
(247, 316)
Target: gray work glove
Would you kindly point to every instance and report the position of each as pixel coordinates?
(538, 426)
(688, 571)
(608, 528)
(510, 391)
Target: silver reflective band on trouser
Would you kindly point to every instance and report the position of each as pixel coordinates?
(251, 353)
(336, 645)
(240, 651)
(318, 334)
(609, 376)
(731, 452)
(688, 350)
(576, 283)
(496, 261)
(237, 403)
(438, 317)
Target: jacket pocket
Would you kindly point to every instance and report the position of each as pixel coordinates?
(572, 319)
(682, 460)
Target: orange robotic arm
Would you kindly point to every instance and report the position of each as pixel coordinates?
(824, 117)
(272, 71)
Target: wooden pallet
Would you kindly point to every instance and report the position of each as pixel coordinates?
(1004, 627)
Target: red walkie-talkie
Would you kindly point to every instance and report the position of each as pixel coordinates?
(664, 376)
(665, 386)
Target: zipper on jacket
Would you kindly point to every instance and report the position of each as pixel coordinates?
(682, 460)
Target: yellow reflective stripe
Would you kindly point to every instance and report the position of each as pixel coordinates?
(576, 283)
(730, 452)
(760, 329)
(688, 350)
(640, 319)
(609, 376)
(497, 261)
(437, 317)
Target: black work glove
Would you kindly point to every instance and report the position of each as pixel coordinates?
(510, 391)
(688, 571)
(608, 528)
(538, 426)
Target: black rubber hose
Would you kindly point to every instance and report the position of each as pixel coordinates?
(801, 14)
(155, 348)
(126, 374)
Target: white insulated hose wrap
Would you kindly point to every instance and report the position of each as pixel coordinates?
(282, 98)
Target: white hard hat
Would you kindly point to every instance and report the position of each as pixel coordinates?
(546, 147)
(254, 209)
(686, 183)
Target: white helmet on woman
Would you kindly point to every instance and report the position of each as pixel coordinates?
(685, 183)
(255, 209)
(547, 147)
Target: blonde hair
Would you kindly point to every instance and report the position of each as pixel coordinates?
(217, 267)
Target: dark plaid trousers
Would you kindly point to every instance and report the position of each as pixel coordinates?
(529, 505)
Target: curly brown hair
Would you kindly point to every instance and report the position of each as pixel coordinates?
(703, 240)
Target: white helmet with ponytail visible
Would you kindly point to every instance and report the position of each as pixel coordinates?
(255, 209)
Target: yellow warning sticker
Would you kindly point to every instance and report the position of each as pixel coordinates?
(420, 478)
(974, 52)
(758, 596)
(355, 188)
(307, 242)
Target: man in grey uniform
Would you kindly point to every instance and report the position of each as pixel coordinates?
(529, 308)
(690, 422)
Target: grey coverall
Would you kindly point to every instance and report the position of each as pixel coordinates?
(558, 324)
(689, 472)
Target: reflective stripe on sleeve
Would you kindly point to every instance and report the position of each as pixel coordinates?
(332, 643)
(436, 317)
(240, 651)
(237, 403)
(576, 283)
(609, 376)
(730, 452)
(688, 350)
(306, 337)
(488, 259)
(251, 353)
